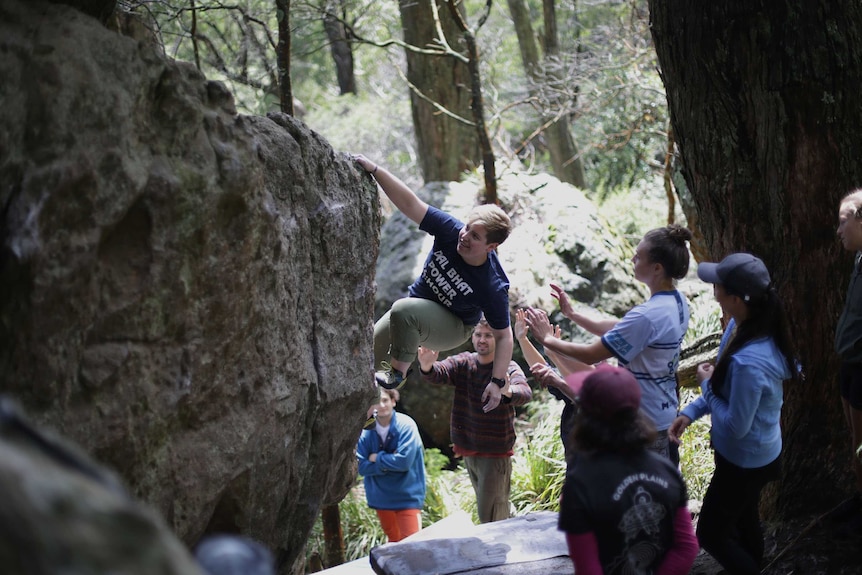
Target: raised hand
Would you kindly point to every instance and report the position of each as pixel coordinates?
(561, 296)
(426, 357)
(520, 325)
(546, 376)
(539, 324)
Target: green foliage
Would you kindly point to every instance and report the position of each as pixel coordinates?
(704, 317)
(357, 124)
(696, 457)
(233, 43)
(695, 454)
(604, 80)
(360, 525)
(635, 211)
(539, 465)
(446, 491)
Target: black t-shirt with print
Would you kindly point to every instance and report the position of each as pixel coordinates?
(628, 502)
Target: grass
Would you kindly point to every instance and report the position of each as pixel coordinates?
(539, 465)
(695, 455)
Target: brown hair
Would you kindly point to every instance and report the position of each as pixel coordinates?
(627, 431)
(666, 246)
(496, 222)
(392, 393)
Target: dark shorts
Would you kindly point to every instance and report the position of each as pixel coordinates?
(850, 381)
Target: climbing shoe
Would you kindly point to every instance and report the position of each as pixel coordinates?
(390, 378)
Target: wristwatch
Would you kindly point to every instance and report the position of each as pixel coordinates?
(499, 381)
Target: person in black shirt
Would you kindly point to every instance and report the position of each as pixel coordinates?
(848, 345)
(624, 508)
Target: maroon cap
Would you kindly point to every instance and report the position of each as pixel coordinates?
(605, 390)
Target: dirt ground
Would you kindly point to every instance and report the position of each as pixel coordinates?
(805, 546)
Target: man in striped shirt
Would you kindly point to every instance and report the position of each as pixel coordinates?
(483, 437)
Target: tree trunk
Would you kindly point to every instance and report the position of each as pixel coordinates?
(526, 37)
(446, 146)
(285, 89)
(341, 50)
(477, 105)
(763, 99)
(565, 157)
(563, 151)
(333, 538)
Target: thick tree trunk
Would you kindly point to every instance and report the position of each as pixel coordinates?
(446, 146)
(764, 104)
(342, 52)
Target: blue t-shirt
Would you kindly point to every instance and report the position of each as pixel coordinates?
(647, 342)
(465, 290)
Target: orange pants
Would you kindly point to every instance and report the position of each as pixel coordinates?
(401, 523)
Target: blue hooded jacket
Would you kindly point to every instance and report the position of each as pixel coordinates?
(397, 479)
(746, 421)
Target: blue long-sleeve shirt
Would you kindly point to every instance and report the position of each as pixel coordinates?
(396, 480)
(746, 426)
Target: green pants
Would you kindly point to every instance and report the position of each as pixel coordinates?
(413, 321)
(492, 481)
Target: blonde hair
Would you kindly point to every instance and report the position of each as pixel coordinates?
(854, 198)
(496, 222)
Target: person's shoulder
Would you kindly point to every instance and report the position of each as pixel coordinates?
(434, 214)
(762, 353)
(496, 269)
(405, 420)
(661, 463)
(639, 311)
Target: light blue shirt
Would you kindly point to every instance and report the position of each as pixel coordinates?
(646, 341)
(746, 428)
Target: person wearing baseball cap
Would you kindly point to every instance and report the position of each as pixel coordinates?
(743, 392)
(622, 504)
(743, 275)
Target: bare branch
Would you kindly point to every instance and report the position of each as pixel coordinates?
(441, 37)
(434, 103)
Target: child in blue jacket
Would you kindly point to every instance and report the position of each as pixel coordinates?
(392, 462)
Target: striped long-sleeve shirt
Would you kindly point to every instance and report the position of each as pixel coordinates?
(474, 432)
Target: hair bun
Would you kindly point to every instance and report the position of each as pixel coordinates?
(679, 233)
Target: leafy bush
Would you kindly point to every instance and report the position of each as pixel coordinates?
(539, 465)
(695, 455)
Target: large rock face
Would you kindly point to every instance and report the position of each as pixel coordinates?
(63, 513)
(184, 291)
(558, 236)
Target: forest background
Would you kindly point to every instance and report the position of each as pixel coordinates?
(747, 105)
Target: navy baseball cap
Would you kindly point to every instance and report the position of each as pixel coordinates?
(742, 274)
